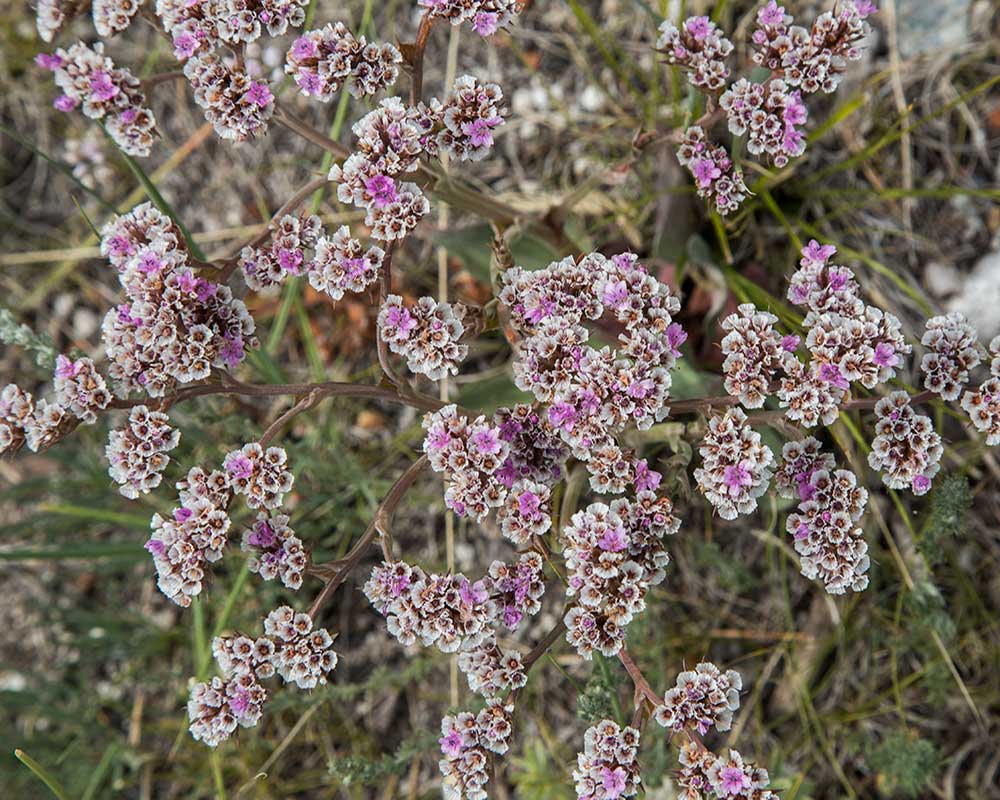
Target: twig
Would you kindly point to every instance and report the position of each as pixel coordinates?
(273, 429)
(417, 82)
(308, 132)
(641, 684)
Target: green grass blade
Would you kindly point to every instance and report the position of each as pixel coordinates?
(159, 200)
(130, 551)
(98, 515)
(39, 771)
(58, 165)
(97, 776)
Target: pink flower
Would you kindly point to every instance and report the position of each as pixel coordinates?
(865, 8)
(49, 61)
(485, 441)
(473, 593)
(259, 93)
(290, 260)
(400, 319)
(705, 171)
(814, 251)
(698, 27)
(615, 294)
(562, 415)
(262, 536)
(613, 782)
(528, 504)
(382, 188)
(309, 82)
(486, 23)
(480, 131)
(185, 45)
(733, 781)
(736, 476)
(303, 48)
(646, 479)
(451, 743)
(65, 368)
(613, 541)
(885, 355)
(771, 14)
(156, 547)
(239, 466)
(101, 86)
(676, 336)
(921, 484)
(64, 103)
(239, 702)
(790, 343)
(830, 373)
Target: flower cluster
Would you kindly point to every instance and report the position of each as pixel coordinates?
(291, 647)
(201, 26)
(467, 740)
(486, 16)
(608, 767)
(906, 447)
(391, 139)
(799, 460)
(51, 15)
(469, 454)
(323, 60)
(716, 178)
(593, 394)
(448, 611)
(91, 81)
(701, 698)
(983, 405)
(516, 589)
(813, 60)
(275, 550)
(736, 465)
(831, 545)
(526, 512)
(113, 16)
(302, 655)
(753, 353)
(259, 474)
(703, 774)
(341, 264)
(137, 453)
(536, 453)
(175, 326)
(613, 555)
(284, 252)
(952, 352)
(700, 48)
(80, 388)
(238, 106)
(468, 117)
(768, 116)
(185, 544)
(492, 670)
(17, 409)
(427, 334)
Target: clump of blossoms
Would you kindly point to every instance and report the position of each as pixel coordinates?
(485, 16)
(275, 551)
(769, 116)
(906, 448)
(470, 455)
(90, 81)
(185, 544)
(285, 253)
(608, 766)
(700, 48)
(716, 178)
(342, 264)
(290, 647)
(114, 16)
(175, 326)
(259, 474)
(323, 60)
(467, 742)
(238, 106)
(952, 351)
(80, 388)
(702, 698)
(137, 452)
(201, 26)
(427, 334)
(753, 353)
(703, 774)
(736, 465)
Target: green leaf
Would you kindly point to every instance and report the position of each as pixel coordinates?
(159, 200)
(98, 514)
(471, 245)
(54, 786)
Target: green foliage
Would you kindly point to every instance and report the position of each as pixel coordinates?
(928, 610)
(597, 700)
(21, 335)
(535, 778)
(905, 765)
(950, 503)
(367, 771)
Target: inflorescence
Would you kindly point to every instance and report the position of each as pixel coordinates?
(594, 340)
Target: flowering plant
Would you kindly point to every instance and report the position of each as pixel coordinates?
(594, 340)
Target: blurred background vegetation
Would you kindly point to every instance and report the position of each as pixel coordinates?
(893, 692)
